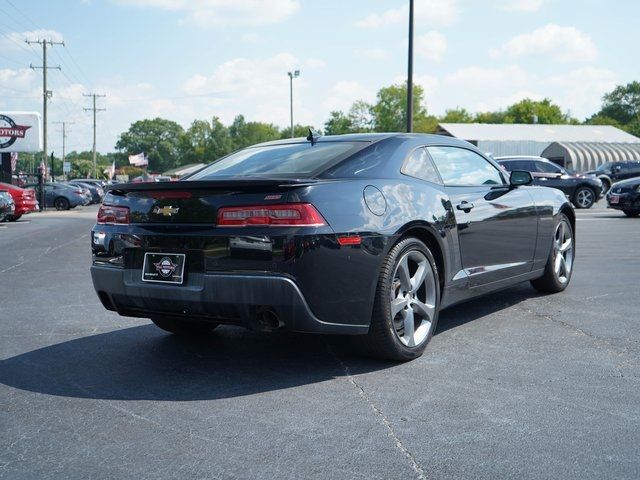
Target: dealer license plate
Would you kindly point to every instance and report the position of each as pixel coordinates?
(163, 267)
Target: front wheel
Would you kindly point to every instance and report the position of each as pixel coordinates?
(61, 203)
(559, 267)
(183, 327)
(584, 197)
(14, 218)
(406, 304)
(631, 213)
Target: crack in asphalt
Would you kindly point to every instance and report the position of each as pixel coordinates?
(415, 466)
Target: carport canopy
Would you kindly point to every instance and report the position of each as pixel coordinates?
(582, 156)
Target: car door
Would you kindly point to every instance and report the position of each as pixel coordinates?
(497, 224)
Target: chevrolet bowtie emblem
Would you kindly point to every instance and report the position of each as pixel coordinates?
(166, 211)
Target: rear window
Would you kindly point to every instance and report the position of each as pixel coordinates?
(287, 160)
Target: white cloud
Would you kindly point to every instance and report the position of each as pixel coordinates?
(521, 5)
(431, 45)
(345, 92)
(563, 44)
(430, 12)
(255, 87)
(582, 89)
(373, 53)
(15, 41)
(207, 13)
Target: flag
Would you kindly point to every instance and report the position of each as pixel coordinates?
(111, 171)
(138, 160)
(14, 161)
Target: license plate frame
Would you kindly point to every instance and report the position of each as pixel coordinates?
(614, 199)
(153, 271)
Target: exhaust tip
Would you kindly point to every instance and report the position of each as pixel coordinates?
(266, 320)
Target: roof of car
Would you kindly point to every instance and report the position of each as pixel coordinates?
(370, 137)
(519, 157)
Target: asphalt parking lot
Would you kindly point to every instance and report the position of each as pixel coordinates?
(515, 385)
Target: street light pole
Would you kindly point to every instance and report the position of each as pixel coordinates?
(292, 75)
(410, 72)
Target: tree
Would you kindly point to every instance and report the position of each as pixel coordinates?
(390, 110)
(245, 133)
(338, 123)
(490, 117)
(158, 138)
(531, 111)
(623, 106)
(361, 117)
(298, 131)
(456, 115)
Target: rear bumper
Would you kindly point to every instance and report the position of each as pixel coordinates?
(626, 201)
(230, 298)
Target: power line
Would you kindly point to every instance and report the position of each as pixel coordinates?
(95, 110)
(46, 94)
(23, 14)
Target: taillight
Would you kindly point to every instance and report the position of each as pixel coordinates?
(285, 215)
(111, 214)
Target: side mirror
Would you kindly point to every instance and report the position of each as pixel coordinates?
(520, 177)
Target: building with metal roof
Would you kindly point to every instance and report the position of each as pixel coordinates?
(581, 156)
(506, 139)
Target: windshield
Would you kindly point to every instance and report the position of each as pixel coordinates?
(604, 166)
(285, 160)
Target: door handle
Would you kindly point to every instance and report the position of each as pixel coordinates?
(465, 206)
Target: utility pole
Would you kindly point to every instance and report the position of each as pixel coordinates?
(95, 110)
(410, 72)
(64, 140)
(46, 94)
(292, 75)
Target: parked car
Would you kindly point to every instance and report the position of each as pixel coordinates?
(62, 196)
(7, 205)
(366, 234)
(611, 172)
(582, 190)
(95, 191)
(93, 181)
(24, 199)
(625, 196)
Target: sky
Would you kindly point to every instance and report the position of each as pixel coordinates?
(195, 59)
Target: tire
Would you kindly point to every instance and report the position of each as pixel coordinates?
(416, 307)
(14, 218)
(183, 327)
(584, 197)
(61, 203)
(557, 273)
(631, 213)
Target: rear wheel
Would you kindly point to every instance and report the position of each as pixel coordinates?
(631, 213)
(13, 218)
(559, 267)
(183, 327)
(584, 197)
(61, 203)
(405, 310)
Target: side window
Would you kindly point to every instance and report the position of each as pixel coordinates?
(419, 165)
(520, 165)
(545, 167)
(459, 166)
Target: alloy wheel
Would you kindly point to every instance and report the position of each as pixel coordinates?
(413, 298)
(563, 252)
(584, 198)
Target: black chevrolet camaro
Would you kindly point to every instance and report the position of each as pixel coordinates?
(366, 234)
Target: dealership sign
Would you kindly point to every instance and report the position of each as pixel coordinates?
(20, 132)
